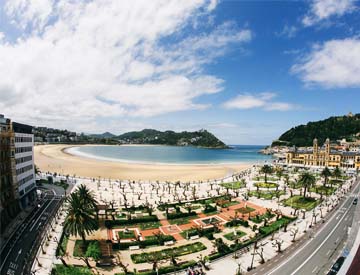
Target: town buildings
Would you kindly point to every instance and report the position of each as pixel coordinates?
(17, 174)
(323, 156)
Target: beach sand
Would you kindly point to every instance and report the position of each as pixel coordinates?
(52, 158)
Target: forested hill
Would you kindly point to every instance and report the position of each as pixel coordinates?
(201, 138)
(334, 128)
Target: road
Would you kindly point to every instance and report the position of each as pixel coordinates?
(16, 252)
(317, 254)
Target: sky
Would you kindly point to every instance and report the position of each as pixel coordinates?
(245, 70)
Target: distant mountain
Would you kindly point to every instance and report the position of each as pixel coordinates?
(103, 135)
(201, 138)
(335, 128)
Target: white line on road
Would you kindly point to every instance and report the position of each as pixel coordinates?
(17, 256)
(324, 241)
(327, 253)
(298, 251)
(314, 270)
(32, 227)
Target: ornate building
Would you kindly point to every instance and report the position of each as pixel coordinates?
(322, 157)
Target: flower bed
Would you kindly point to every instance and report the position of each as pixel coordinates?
(231, 236)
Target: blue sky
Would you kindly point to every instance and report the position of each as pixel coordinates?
(245, 70)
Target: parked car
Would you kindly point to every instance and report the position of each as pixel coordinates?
(355, 201)
(337, 265)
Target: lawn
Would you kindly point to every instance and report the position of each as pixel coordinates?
(266, 185)
(260, 218)
(245, 210)
(230, 203)
(233, 185)
(148, 225)
(326, 190)
(71, 270)
(79, 250)
(263, 178)
(299, 202)
(127, 235)
(230, 236)
(63, 244)
(266, 230)
(267, 195)
(165, 253)
(183, 220)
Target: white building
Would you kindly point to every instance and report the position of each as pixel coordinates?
(24, 159)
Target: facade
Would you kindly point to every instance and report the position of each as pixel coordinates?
(9, 195)
(17, 172)
(324, 156)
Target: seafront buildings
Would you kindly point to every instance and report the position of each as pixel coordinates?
(323, 156)
(17, 168)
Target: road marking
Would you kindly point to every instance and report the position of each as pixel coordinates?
(302, 248)
(327, 253)
(324, 241)
(17, 256)
(32, 227)
(314, 270)
(337, 240)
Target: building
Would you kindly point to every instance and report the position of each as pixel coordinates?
(17, 171)
(322, 157)
(9, 194)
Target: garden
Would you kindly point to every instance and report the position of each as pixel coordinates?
(299, 202)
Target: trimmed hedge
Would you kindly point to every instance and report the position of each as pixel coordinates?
(237, 222)
(142, 244)
(172, 216)
(111, 223)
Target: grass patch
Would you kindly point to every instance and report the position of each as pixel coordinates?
(326, 190)
(230, 203)
(62, 246)
(230, 236)
(266, 185)
(245, 210)
(267, 195)
(233, 185)
(79, 250)
(183, 220)
(299, 202)
(71, 270)
(164, 254)
(260, 218)
(263, 178)
(266, 230)
(127, 235)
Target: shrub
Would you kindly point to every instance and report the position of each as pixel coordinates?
(172, 216)
(111, 223)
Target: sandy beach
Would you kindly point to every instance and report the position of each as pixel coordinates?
(52, 158)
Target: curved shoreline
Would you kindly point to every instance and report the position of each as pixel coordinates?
(52, 158)
(72, 151)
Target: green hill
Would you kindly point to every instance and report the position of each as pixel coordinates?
(200, 138)
(334, 128)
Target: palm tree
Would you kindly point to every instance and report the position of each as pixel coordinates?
(307, 180)
(326, 173)
(336, 173)
(80, 220)
(266, 169)
(87, 196)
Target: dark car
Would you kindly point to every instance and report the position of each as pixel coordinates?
(355, 201)
(337, 265)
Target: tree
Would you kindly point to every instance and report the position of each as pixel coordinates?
(294, 231)
(260, 252)
(279, 172)
(325, 173)
(307, 180)
(221, 246)
(266, 169)
(80, 220)
(87, 196)
(278, 243)
(336, 173)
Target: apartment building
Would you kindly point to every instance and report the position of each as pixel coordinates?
(17, 173)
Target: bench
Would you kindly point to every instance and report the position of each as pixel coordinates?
(134, 247)
(169, 243)
(194, 237)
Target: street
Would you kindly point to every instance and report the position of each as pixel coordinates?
(16, 253)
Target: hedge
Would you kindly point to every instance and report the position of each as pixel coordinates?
(112, 223)
(142, 244)
(172, 216)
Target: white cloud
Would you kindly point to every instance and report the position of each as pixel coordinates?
(336, 63)
(262, 100)
(324, 9)
(288, 31)
(76, 62)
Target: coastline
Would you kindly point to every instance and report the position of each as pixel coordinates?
(54, 158)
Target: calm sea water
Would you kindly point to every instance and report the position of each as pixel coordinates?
(173, 154)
